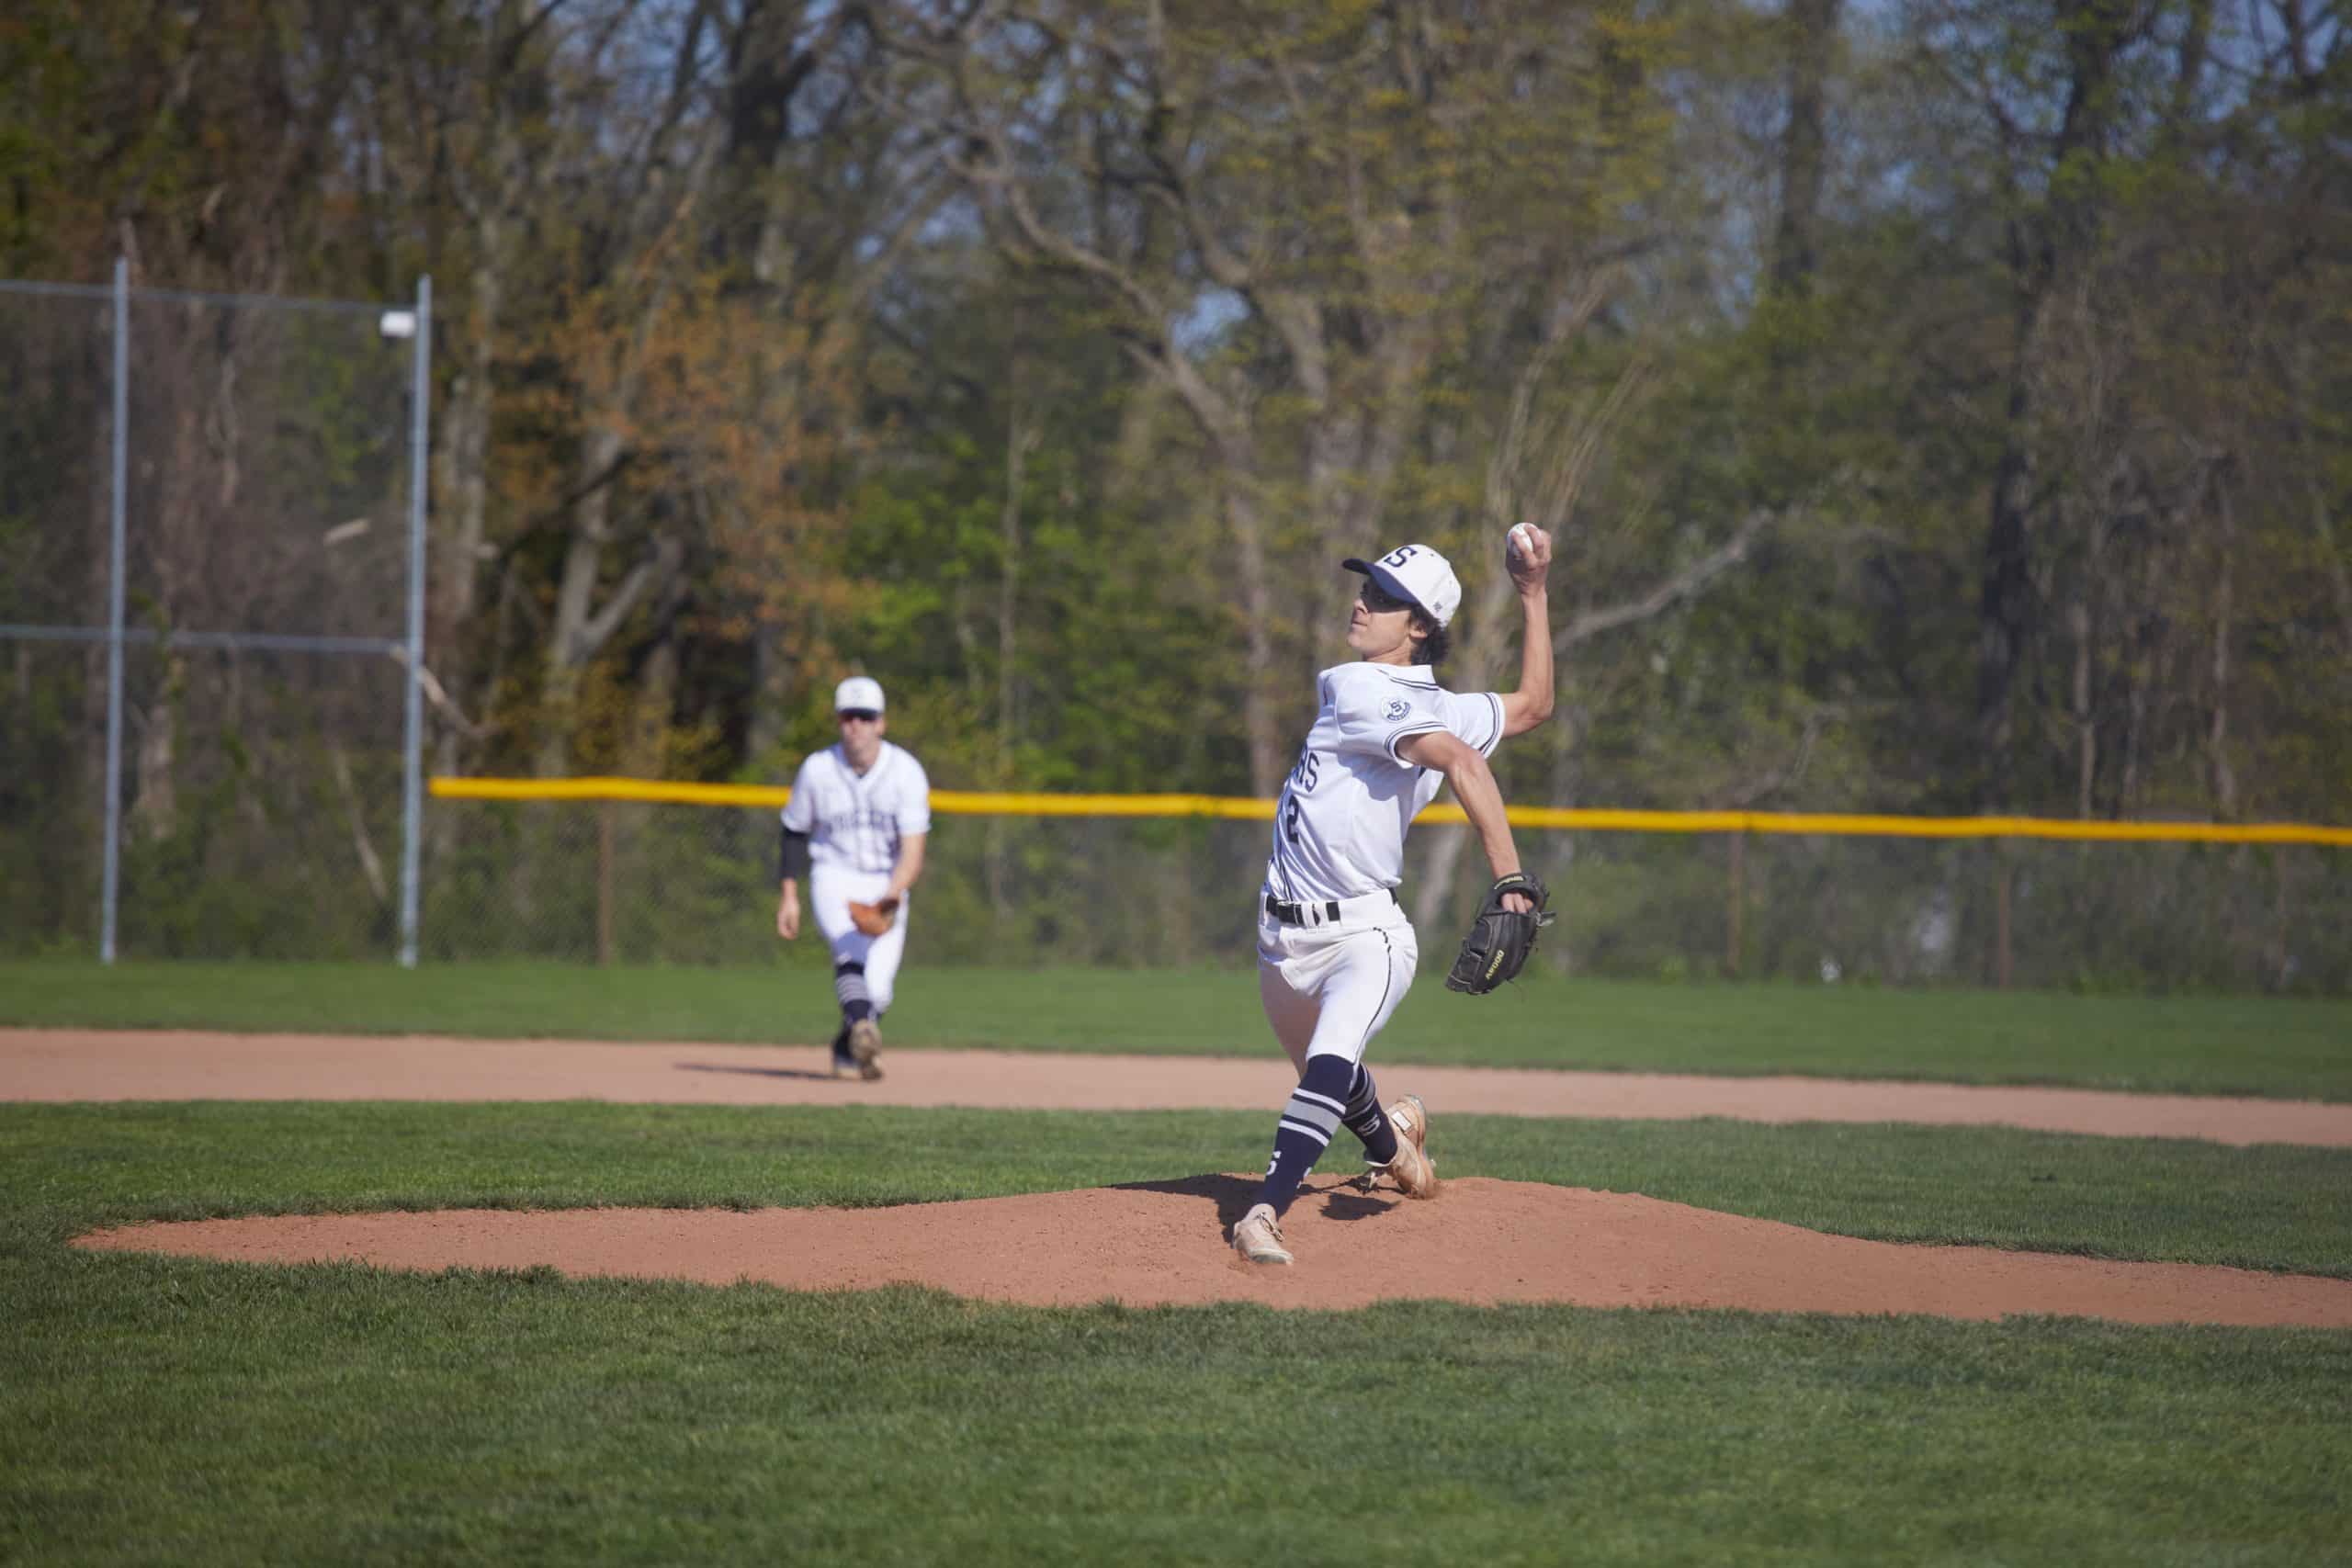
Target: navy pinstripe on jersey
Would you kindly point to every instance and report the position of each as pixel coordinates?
(856, 821)
(1340, 824)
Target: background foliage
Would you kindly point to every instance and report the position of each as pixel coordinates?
(1941, 405)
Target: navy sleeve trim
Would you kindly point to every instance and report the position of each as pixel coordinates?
(1404, 735)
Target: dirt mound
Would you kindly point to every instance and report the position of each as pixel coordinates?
(1158, 1243)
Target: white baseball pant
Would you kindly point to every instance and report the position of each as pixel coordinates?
(831, 888)
(1327, 989)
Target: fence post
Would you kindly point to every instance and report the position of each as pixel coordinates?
(2279, 925)
(604, 883)
(109, 895)
(1738, 900)
(2001, 916)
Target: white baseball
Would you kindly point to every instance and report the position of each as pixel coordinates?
(1519, 541)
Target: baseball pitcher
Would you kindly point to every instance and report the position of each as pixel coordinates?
(1335, 950)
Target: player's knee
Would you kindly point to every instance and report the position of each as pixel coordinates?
(1344, 1047)
(1329, 1074)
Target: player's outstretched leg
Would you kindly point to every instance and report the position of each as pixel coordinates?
(1300, 1136)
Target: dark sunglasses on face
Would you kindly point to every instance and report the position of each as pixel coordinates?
(1379, 600)
(864, 716)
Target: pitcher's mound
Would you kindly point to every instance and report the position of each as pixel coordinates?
(1161, 1243)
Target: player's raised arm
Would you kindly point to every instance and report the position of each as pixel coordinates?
(1476, 792)
(1527, 552)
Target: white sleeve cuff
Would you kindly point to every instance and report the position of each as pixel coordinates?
(1405, 735)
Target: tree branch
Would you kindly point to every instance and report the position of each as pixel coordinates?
(1683, 585)
(653, 571)
(443, 703)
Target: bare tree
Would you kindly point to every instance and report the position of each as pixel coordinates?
(1296, 222)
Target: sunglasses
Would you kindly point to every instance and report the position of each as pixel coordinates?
(1379, 600)
(864, 715)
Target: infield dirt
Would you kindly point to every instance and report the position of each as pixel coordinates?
(85, 1065)
(1483, 1241)
(1155, 1244)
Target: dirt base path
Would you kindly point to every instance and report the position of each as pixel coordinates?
(1154, 1244)
(68, 1064)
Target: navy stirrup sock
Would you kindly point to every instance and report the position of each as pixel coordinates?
(849, 990)
(1305, 1128)
(1364, 1118)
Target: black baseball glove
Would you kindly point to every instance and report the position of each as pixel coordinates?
(1500, 938)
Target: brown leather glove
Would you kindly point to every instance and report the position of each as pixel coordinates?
(873, 918)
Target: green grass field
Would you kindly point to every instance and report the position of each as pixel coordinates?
(156, 1409)
(2284, 1048)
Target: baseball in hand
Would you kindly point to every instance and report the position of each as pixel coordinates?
(1527, 551)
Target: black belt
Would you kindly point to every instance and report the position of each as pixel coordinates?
(1303, 914)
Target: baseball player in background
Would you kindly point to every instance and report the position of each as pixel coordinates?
(1335, 950)
(854, 827)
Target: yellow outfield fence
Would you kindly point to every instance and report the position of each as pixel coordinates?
(623, 870)
(971, 803)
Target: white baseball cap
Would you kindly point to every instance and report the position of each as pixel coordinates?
(1419, 573)
(860, 693)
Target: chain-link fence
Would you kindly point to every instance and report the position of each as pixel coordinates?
(624, 882)
(210, 574)
(208, 571)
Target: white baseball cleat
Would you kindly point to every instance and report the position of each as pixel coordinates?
(864, 1047)
(1258, 1237)
(1413, 1172)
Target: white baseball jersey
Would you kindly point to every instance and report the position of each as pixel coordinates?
(855, 821)
(1339, 826)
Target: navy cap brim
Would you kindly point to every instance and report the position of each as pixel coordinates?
(1386, 580)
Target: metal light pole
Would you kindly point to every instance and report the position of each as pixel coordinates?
(412, 803)
(121, 465)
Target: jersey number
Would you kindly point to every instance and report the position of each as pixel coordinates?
(1302, 780)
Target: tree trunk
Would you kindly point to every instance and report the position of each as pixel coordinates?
(2045, 245)
(464, 458)
(569, 643)
(1810, 28)
(1269, 753)
(1018, 439)
(153, 811)
(2299, 369)
(582, 626)
(2079, 625)
(2224, 778)
(772, 689)
(2004, 605)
